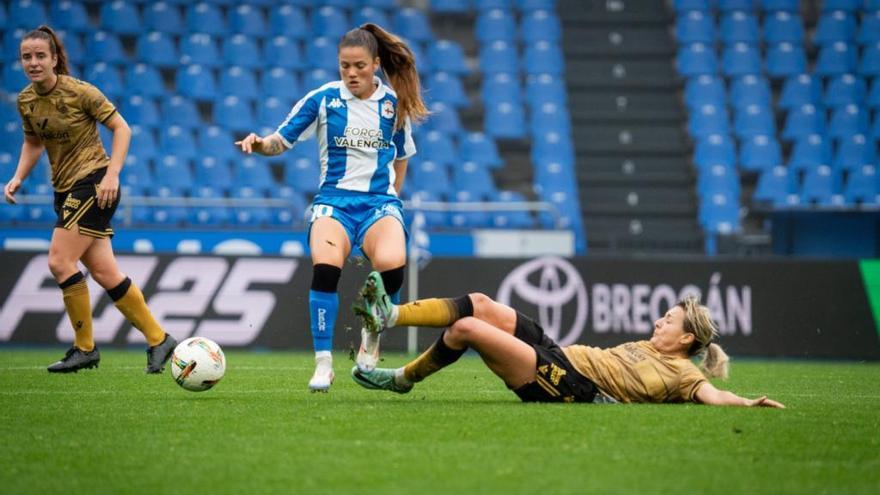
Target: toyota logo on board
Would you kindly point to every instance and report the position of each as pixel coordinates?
(559, 288)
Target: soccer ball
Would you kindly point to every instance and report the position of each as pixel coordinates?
(197, 364)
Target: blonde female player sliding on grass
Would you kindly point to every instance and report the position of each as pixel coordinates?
(365, 141)
(538, 370)
(59, 114)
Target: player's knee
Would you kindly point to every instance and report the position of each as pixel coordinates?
(388, 260)
(107, 277)
(59, 264)
(463, 330)
(481, 302)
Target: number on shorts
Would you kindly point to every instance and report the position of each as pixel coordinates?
(319, 211)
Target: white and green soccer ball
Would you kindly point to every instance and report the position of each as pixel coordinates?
(197, 364)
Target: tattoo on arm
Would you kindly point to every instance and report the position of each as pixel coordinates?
(274, 147)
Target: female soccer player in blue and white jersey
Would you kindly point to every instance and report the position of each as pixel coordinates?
(364, 137)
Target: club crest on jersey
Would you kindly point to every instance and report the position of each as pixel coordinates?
(336, 103)
(388, 109)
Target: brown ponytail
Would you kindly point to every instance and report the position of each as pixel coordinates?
(44, 32)
(398, 63)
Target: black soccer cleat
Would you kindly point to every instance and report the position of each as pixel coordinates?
(159, 354)
(74, 360)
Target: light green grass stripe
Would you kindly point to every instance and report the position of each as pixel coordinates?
(871, 278)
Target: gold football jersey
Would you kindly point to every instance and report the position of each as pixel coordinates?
(65, 120)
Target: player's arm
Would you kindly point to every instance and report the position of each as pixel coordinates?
(708, 394)
(270, 145)
(399, 174)
(108, 188)
(31, 149)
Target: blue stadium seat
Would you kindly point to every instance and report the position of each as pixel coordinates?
(242, 51)
(715, 149)
(11, 138)
(754, 120)
(431, 177)
(875, 129)
(69, 16)
(540, 25)
(447, 56)
(174, 172)
(500, 86)
(528, 5)
(782, 26)
(343, 4)
(552, 146)
(499, 56)
(740, 59)
(144, 80)
(235, 113)
(696, 59)
(26, 14)
(254, 172)
(316, 78)
(321, 54)
(774, 185)
(413, 25)
(545, 88)
(157, 48)
(106, 78)
(217, 142)
(208, 216)
(869, 29)
(164, 17)
(705, 89)
(120, 17)
(438, 148)
(873, 99)
(105, 47)
(719, 214)
(739, 26)
(281, 83)
(468, 219)
(750, 90)
(8, 113)
(848, 120)
(845, 5)
(446, 88)
(836, 58)
(550, 117)
(810, 152)
(10, 214)
(820, 185)
(495, 25)
(802, 121)
(479, 148)
(505, 121)
(167, 216)
(730, 5)
(370, 14)
(835, 27)
(248, 20)
(800, 90)
(196, 82)
(695, 27)
(38, 215)
(239, 81)
(785, 59)
(143, 143)
(483, 5)
(289, 21)
(681, 6)
(521, 219)
(178, 142)
(205, 18)
(707, 120)
(853, 152)
(760, 152)
(450, 6)
(718, 179)
(73, 45)
(845, 89)
(199, 49)
(445, 119)
(272, 111)
(329, 21)
(862, 186)
(302, 173)
(869, 64)
(780, 5)
(137, 172)
(543, 58)
(552, 176)
(284, 53)
(180, 111)
(140, 110)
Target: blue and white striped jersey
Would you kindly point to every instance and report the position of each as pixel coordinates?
(357, 143)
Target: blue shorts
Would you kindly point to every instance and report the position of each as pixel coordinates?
(357, 213)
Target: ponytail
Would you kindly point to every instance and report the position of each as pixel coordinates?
(44, 32)
(398, 63)
(716, 362)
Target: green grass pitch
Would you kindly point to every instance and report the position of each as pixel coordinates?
(116, 430)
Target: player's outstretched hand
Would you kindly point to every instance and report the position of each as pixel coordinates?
(247, 144)
(765, 402)
(11, 188)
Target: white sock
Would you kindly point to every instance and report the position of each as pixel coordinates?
(323, 356)
(400, 378)
(395, 312)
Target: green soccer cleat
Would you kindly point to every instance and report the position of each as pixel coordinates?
(74, 360)
(378, 379)
(375, 307)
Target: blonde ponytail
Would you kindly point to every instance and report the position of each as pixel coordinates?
(715, 363)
